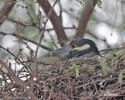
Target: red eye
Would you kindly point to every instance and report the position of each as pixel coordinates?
(73, 46)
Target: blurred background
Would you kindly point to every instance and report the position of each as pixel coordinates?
(23, 26)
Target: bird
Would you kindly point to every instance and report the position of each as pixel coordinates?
(75, 48)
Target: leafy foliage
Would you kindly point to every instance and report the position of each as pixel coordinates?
(105, 67)
(120, 78)
(82, 68)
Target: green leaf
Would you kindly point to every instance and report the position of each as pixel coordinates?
(77, 72)
(75, 68)
(104, 66)
(120, 77)
(79, 69)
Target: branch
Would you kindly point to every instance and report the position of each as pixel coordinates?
(55, 20)
(85, 17)
(24, 38)
(17, 80)
(43, 31)
(8, 5)
(47, 29)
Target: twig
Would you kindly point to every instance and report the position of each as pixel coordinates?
(18, 81)
(85, 17)
(8, 5)
(42, 33)
(69, 82)
(24, 38)
(18, 59)
(41, 37)
(57, 24)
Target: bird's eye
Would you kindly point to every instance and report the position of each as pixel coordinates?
(73, 46)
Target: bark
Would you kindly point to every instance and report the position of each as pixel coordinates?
(85, 17)
(55, 20)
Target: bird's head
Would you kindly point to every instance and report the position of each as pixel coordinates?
(75, 48)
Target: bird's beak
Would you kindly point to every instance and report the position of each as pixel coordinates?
(62, 52)
(83, 47)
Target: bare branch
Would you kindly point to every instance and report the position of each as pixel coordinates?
(8, 5)
(85, 16)
(47, 29)
(18, 81)
(26, 39)
(57, 24)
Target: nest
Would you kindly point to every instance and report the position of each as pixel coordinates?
(95, 78)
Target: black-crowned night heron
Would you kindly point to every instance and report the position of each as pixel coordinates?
(75, 48)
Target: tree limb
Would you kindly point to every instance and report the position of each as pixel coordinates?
(57, 24)
(26, 39)
(8, 5)
(84, 19)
